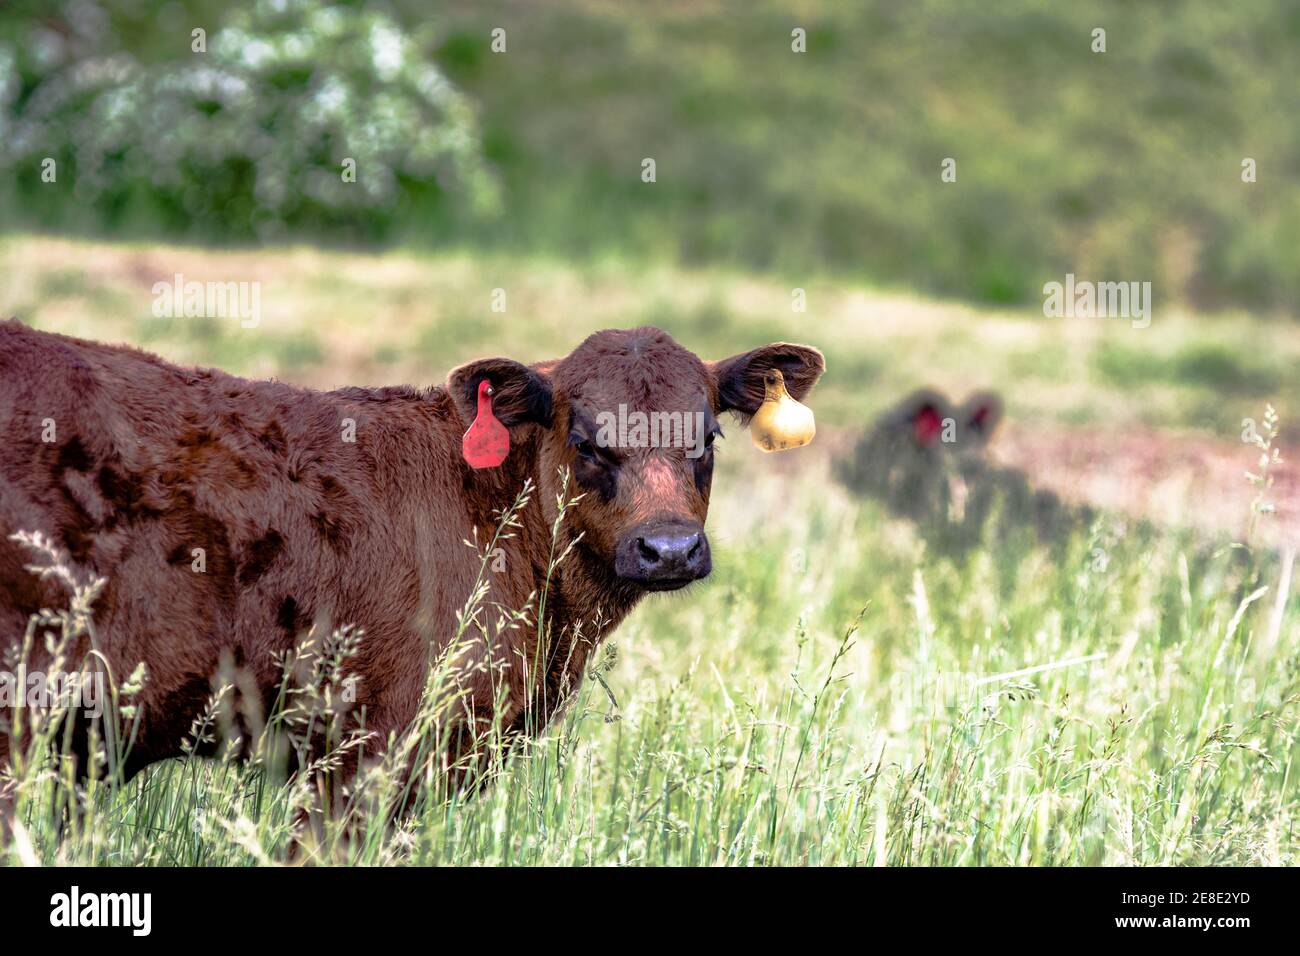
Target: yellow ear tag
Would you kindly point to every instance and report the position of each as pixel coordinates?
(780, 422)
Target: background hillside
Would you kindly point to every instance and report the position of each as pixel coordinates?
(1119, 687)
(1124, 164)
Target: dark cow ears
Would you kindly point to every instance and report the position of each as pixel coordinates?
(520, 395)
(927, 413)
(980, 415)
(739, 379)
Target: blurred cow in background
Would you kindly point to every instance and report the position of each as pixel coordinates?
(927, 460)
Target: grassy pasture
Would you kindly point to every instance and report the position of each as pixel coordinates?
(1123, 696)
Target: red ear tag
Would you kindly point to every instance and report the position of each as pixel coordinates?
(927, 425)
(486, 442)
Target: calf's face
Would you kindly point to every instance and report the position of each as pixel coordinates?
(634, 417)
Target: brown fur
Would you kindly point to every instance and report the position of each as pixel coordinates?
(152, 461)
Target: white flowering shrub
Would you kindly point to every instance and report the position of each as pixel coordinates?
(297, 114)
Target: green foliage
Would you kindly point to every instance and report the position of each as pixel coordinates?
(1228, 371)
(1117, 165)
(1123, 164)
(245, 139)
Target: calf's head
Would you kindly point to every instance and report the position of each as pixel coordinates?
(634, 416)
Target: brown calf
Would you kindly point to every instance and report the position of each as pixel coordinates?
(134, 465)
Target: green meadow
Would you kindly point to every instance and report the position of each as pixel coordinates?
(840, 690)
(836, 692)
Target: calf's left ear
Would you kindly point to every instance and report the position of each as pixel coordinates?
(520, 395)
(740, 378)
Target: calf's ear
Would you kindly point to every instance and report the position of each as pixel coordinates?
(740, 378)
(521, 395)
(980, 416)
(922, 414)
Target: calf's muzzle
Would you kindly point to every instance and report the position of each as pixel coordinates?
(663, 555)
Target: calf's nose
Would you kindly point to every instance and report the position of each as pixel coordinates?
(669, 550)
(664, 556)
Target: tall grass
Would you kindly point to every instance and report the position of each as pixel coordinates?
(833, 695)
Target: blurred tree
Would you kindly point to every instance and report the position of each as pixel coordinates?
(290, 116)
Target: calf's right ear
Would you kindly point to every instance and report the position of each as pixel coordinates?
(520, 395)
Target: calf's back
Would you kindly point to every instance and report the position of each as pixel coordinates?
(229, 515)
